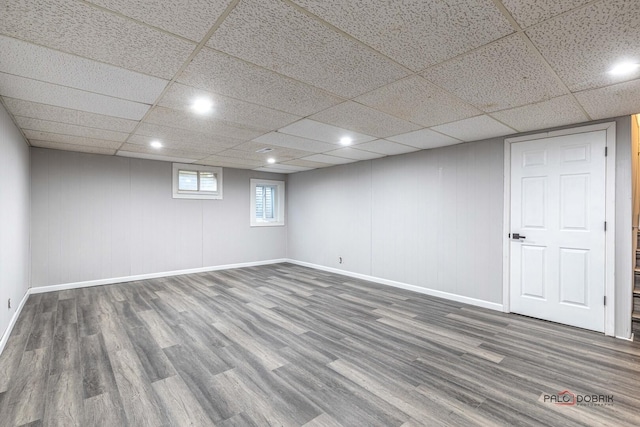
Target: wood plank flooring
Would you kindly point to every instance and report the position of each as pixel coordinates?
(285, 345)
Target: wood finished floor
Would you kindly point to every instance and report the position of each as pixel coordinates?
(289, 346)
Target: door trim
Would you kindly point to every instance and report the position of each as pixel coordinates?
(610, 215)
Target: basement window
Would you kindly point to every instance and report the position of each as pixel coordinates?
(196, 182)
(267, 203)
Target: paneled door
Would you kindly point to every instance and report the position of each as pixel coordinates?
(557, 242)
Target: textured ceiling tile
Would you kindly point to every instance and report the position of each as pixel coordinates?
(416, 33)
(191, 19)
(311, 129)
(273, 169)
(611, 101)
(249, 150)
(279, 37)
(307, 163)
(382, 146)
(19, 107)
(556, 112)
(75, 27)
(582, 46)
(150, 156)
(502, 75)
(34, 135)
(185, 154)
(72, 147)
(187, 145)
(474, 129)
(289, 168)
(530, 12)
(424, 139)
(295, 142)
(47, 93)
(332, 160)
(223, 74)
(354, 116)
(419, 101)
(28, 60)
(352, 153)
(169, 134)
(67, 129)
(190, 121)
(232, 162)
(181, 97)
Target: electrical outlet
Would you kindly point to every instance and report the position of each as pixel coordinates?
(9, 304)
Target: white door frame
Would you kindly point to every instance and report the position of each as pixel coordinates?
(610, 215)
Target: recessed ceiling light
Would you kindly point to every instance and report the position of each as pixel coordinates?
(624, 68)
(346, 140)
(271, 160)
(202, 105)
(156, 144)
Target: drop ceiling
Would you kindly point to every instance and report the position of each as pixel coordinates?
(298, 76)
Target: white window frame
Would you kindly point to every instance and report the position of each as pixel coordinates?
(206, 195)
(278, 206)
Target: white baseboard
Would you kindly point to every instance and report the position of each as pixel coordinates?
(14, 319)
(624, 338)
(426, 291)
(111, 281)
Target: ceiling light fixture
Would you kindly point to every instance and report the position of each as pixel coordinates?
(624, 68)
(271, 160)
(346, 140)
(202, 105)
(156, 144)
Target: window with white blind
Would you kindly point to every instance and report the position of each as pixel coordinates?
(196, 182)
(267, 203)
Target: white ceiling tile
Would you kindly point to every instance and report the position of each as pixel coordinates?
(223, 74)
(355, 154)
(47, 93)
(530, 12)
(416, 33)
(474, 129)
(419, 101)
(34, 135)
(611, 101)
(290, 141)
(332, 160)
(357, 117)
(28, 60)
(248, 150)
(273, 170)
(306, 163)
(19, 107)
(180, 97)
(277, 36)
(547, 114)
(382, 146)
(177, 135)
(72, 147)
(231, 162)
(312, 129)
(191, 19)
(166, 152)
(424, 139)
(583, 45)
(191, 121)
(290, 168)
(27, 123)
(78, 28)
(149, 156)
(178, 145)
(505, 74)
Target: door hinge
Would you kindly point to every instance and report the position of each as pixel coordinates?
(606, 151)
(605, 300)
(605, 226)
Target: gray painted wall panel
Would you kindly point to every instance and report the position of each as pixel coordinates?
(14, 218)
(100, 217)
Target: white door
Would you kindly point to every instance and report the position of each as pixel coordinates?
(557, 269)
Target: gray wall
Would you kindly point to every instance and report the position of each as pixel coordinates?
(100, 217)
(432, 219)
(14, 218)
